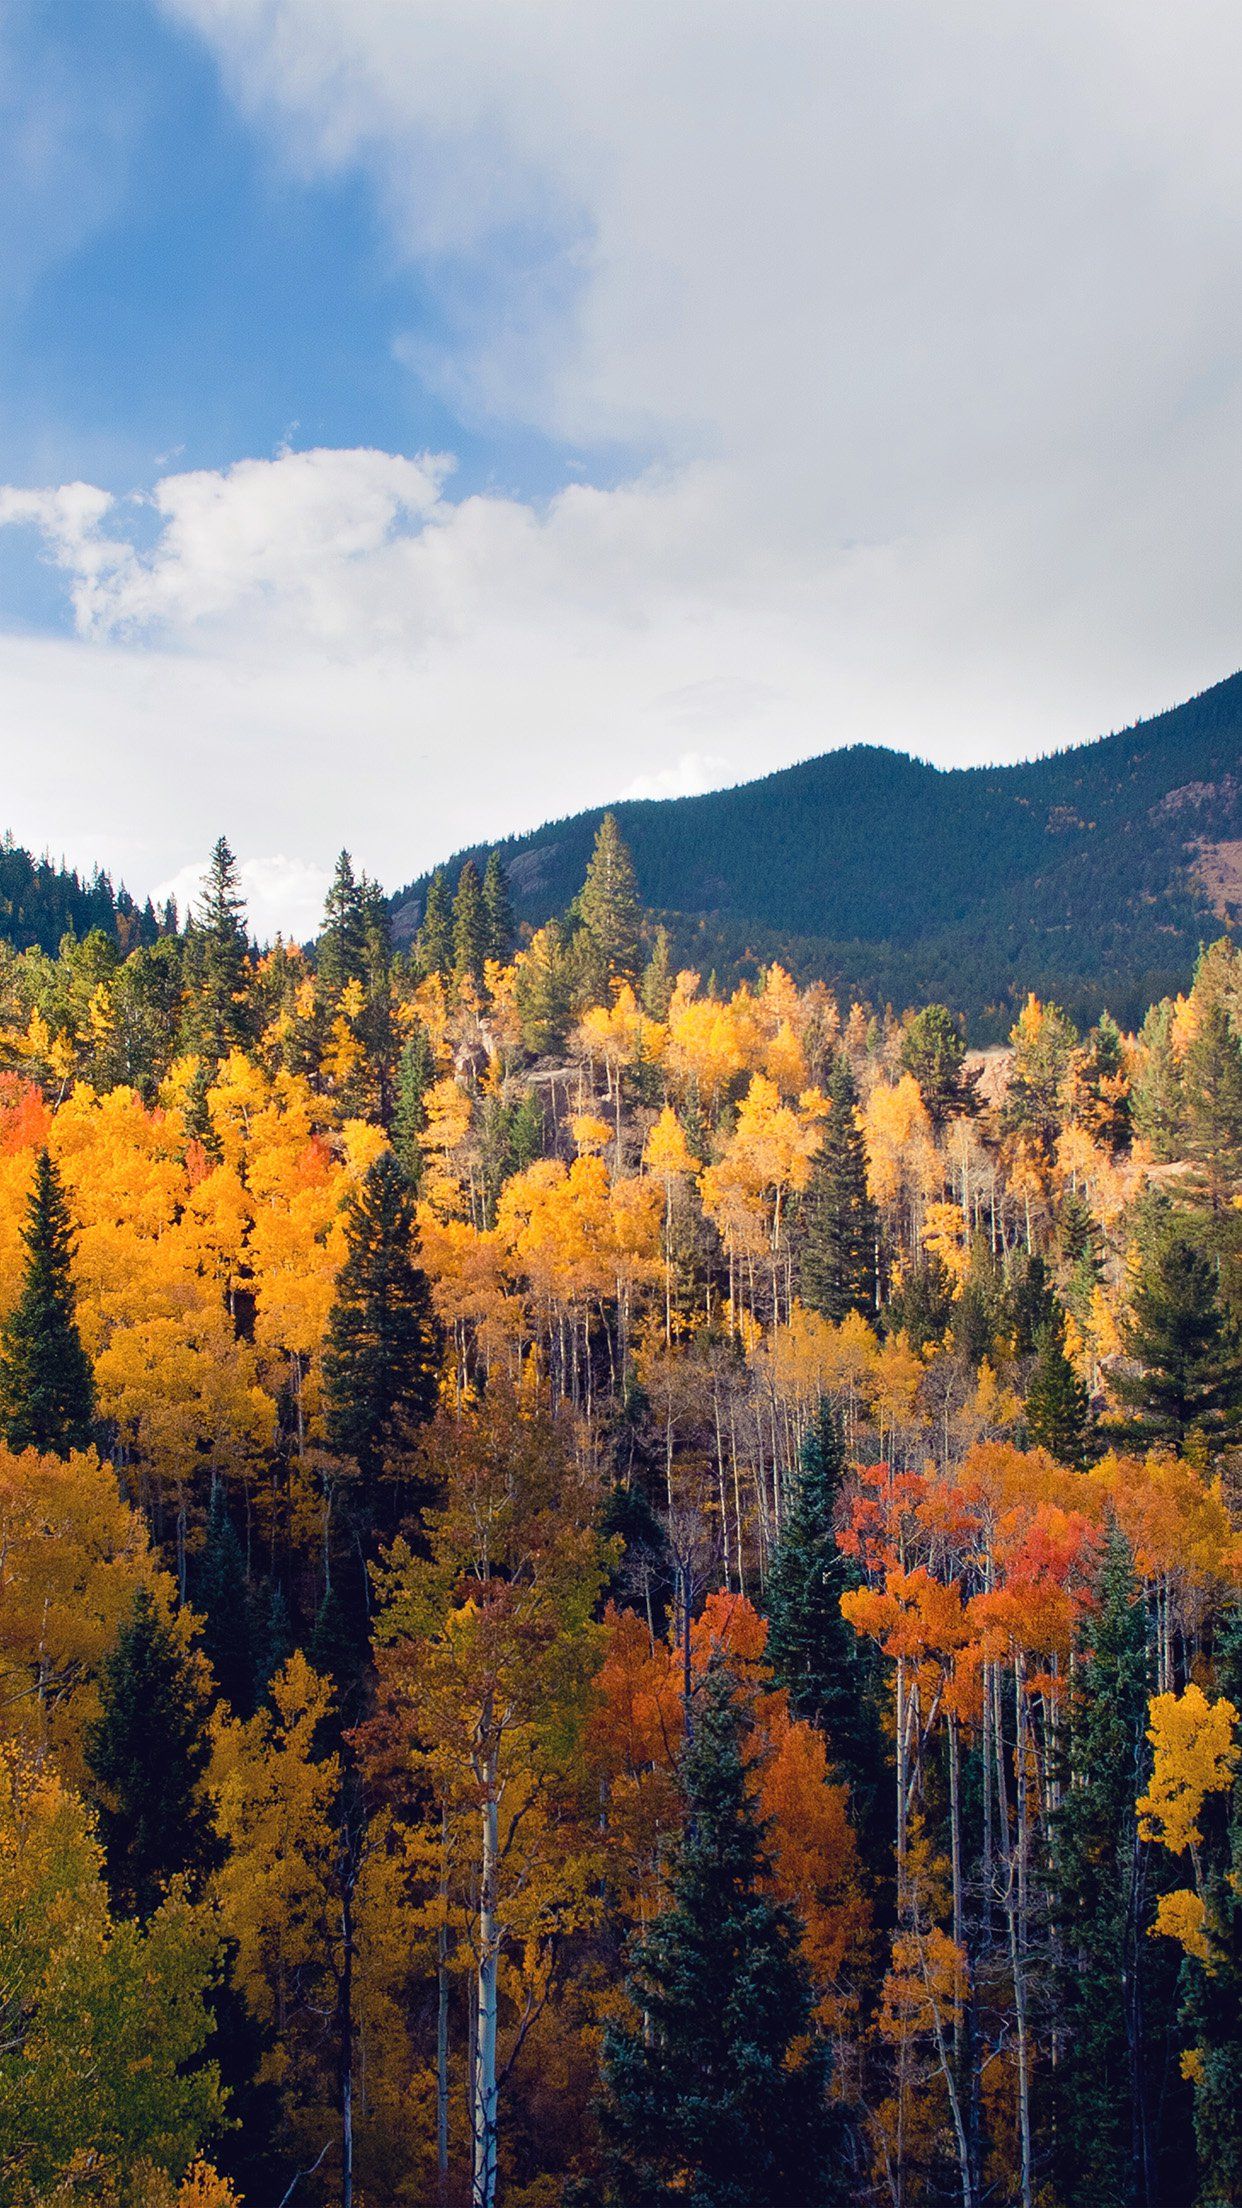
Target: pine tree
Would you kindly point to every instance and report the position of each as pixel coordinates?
(435, 936)
(922, 1307)
(497, 911)
(415, 1074)
(609, 907)
(46, 1386)
(1100, 2109)
(147, 1753)
(1058, 1408)
(1190, 1379)
(222, 1016)
(933, 1050)
(815, 1655)
(1030, 1304)
(657, 983)
(340, 953)
(717, 2096)
(1212, 1105)
(469, 927)
(222, 1594)
(381, 1355)
(838, 1225)
(544, 988)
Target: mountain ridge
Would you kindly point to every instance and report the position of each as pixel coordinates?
(1091, 873)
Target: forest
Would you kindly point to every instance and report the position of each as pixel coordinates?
(614, 1590)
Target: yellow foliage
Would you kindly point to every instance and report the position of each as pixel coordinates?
(1181, 1916)
(1196, 1754)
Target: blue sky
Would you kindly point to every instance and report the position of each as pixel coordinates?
(797, 375)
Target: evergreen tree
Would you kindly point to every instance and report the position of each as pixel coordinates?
(1099, 2095)
(922, 1307)
(1212, 1107)
(435, 936)
(1156, 1096)
(544, 991)
(222, 947)
(716, 2096)
(147, 1753)
(609, 907)
(1030, 1304)
(1190, 1379)
(498, 926)
(1212, 2017)
(46, 1386)
(816, 1656)
(657, 983)
(340, 953)
(222, 1594)
(381, 1354)
(415, 1074)
(837, 1219)
(469, 927)
(934, 1051)
(1058, 1408)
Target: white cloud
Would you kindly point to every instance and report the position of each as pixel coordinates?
(688, 776)
(927, 318)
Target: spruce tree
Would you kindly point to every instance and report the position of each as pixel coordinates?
(609, 906)
(1190, 1379)
(1058, 1407)
(1212, 1108)
(657, 983)
(934, 1051)
(46, 1385)
(147, 1753)
(222, 1594)
(1099, 2101)
(837, 1219)
(497, 911)
(469, 927)
(415, 1073)
(381, 1355)
(434, 947)
(340, 953)
(815, 1655)
(716, 2094)
(222, 945)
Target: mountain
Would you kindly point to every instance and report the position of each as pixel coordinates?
(1091, 876)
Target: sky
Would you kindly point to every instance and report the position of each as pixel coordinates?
(422, 418)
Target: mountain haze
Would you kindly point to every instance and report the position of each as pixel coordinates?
(1091, 876)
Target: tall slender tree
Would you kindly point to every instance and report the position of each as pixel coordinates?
(340, 952)
(609, 905)
(815, 1655)
(381, 1360)
(837, 1220)
(1058, 1407)
(435, 935)
(716, 2092)
(497, 911)
(1189, 1378)
(1100, 2092)
(469, 927)
(46, 1387)
(222, 955)
(147, 1753)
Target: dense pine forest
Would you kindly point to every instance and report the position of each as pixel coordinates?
(614, 1589)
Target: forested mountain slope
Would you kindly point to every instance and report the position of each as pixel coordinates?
(1091, 876)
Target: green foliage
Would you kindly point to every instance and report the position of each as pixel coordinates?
(1058, 1408)
(716, 2096)
(415, 1073)
(1190, 1379)
(837, 1219)
(147, 1754)
(1212, 1111)
(435, 935)
(922, 1307)
(103, 2025)
(46, 1389)
(497, 911)
(218, 955)
(340, 953)
(609, 905)
(470, 928)
(933, 1049)
(1097, 1865)
(381, 1355)
(222, 1594)
(815, 1655)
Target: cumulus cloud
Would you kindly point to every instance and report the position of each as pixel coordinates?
(924, 323)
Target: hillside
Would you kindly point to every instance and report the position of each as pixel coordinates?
(1091, 876)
